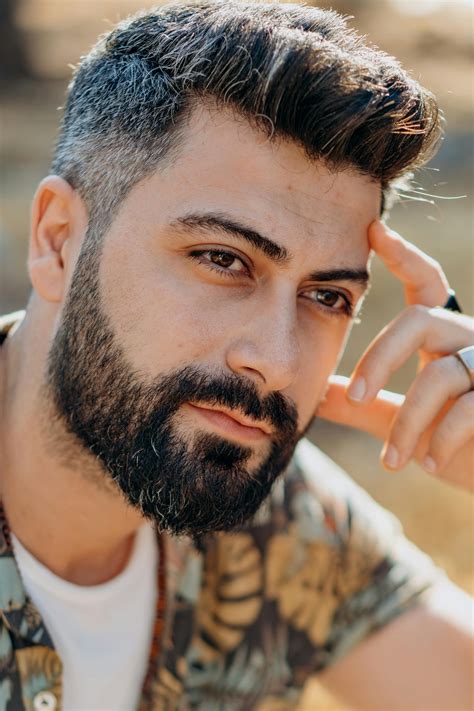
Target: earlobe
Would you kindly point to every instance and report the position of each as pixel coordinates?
(53, 224)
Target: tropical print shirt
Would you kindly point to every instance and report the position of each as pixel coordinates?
(252, 614)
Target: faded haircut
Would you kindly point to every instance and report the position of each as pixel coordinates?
(295, 72)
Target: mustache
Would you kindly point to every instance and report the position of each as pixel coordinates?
(231, 391)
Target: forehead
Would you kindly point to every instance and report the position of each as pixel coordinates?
(224, 163)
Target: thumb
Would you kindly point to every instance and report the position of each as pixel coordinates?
(374, 417)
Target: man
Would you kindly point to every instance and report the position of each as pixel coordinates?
(169, 538)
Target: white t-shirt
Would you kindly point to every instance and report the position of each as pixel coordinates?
(101, 632)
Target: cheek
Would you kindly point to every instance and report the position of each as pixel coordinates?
(319, 359)
(162, 321)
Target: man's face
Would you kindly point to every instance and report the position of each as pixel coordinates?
(193, 351)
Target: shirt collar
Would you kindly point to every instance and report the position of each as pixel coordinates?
(7, 322)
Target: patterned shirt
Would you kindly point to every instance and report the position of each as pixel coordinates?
(250, 615)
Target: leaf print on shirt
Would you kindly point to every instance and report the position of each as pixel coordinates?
(12, 594)
(310, 580)
(231, 597)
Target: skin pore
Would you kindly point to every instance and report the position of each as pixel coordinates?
(241, 258)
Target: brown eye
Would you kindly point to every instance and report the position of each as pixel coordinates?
(333, 301)
(220, 261)
(223, 259)
(328, 298)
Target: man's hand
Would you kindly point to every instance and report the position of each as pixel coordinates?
(434, 422)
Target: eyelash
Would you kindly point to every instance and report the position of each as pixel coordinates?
(198, 254)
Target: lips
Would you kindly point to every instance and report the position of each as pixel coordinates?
(232, 422)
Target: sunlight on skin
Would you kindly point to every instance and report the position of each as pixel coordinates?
(412, 426)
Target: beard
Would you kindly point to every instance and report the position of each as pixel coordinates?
(186, 483)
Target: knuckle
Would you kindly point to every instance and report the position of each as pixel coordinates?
(398, 427)
(435, 372)
(441, 443)
(462, 374)
(465, 407)
(458, 423)
(417, 311)
(405, 429)
(402, 435)
(415, 400)
(370, 365)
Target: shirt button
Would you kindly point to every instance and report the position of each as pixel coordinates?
(45, 701)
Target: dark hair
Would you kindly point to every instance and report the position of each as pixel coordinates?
(293, 71)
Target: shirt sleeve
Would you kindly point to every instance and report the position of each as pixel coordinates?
(343, 567)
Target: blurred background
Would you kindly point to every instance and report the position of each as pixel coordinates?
(39, 42)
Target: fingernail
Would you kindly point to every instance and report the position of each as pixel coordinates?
(357, 389)
(429, 464)
(391, 457)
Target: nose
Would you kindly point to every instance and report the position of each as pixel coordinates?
(266, 347)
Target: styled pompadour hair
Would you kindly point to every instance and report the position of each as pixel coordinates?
(293, 71)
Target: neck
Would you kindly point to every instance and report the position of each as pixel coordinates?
(57, 500)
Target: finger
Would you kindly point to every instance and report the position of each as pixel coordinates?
(440, 381)
(436, 331)
(452, 433)
(424, 280)
(375, 418)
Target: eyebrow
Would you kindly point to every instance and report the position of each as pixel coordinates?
(219, 222)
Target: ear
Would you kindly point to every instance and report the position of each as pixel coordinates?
(58, 223)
